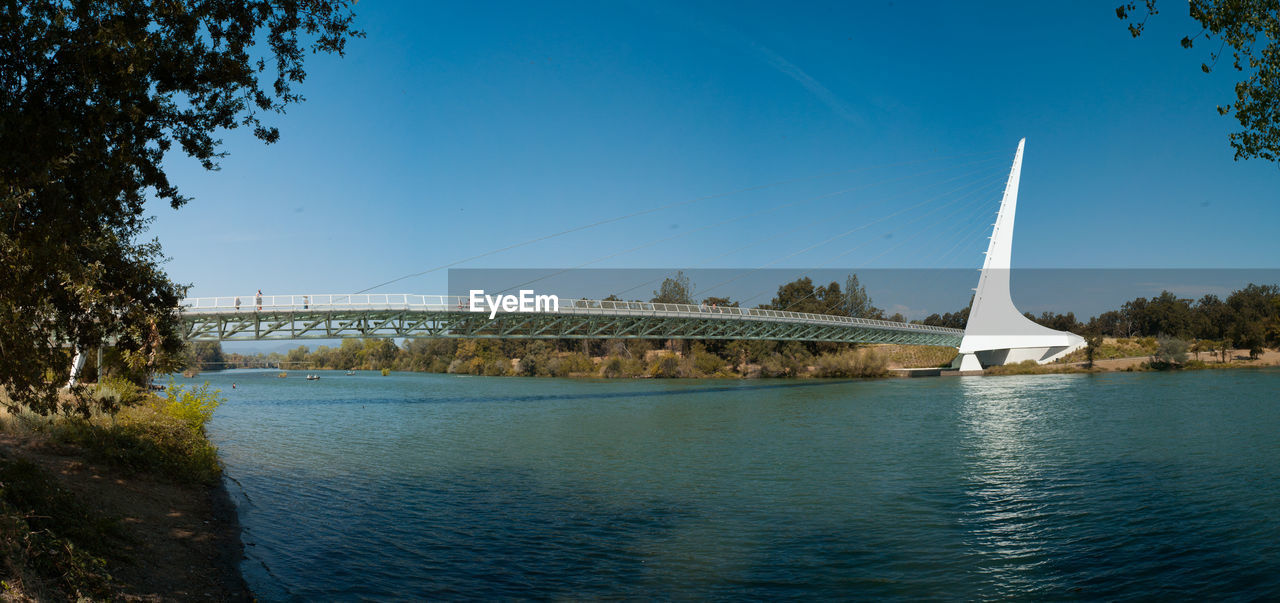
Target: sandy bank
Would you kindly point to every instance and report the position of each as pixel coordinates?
(181, 542)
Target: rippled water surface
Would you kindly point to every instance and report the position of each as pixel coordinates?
(408, 486)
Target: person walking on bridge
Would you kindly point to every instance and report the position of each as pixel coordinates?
(237, 303)
(258, 300)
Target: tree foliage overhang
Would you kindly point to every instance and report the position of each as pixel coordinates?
(93, 95)
(1251, 29)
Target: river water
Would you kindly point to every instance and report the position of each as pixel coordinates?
(1122, 485)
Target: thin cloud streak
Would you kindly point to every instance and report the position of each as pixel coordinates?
(824, 94)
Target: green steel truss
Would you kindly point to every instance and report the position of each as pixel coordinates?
(268, 324)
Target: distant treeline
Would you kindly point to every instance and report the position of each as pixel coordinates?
(569, 357)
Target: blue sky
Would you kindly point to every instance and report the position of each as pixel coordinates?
(452, 130)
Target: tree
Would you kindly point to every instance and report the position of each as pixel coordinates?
(719, 302)
(1214, 317)
(93, 95)
(1057, 322)
(379, 353)
(1171, 352)
(297, 355)
(205, 355)
(674, 290)
(1224, 349)
(799, 296)
(856, 302)
(537, 359)
(1111, 323)
(1093, 342)
(1251, 28)
(954, 320)
(1249, 335)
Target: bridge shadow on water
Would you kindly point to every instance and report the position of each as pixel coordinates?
(691, 391)
(662, 388)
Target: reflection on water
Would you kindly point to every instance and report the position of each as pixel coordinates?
(434, 486)
(1004, 421)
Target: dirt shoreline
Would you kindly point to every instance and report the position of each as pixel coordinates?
(182, 542)
(1239, 359)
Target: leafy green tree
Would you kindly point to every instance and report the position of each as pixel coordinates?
(1202, 345)
(954, 320)
(1111, 323)
(719, 302)
(1171, 352)
(1059, 322)
(856, 302)
(1168, 315)
(379, 353)
(1213, 317)
(801, 296)
(674, 290)
(297, 355)
(537, 358)
(94, 94)
(1249, 335)
(1093, 342)
(348, 354)
(1251, 30)
(205, 355)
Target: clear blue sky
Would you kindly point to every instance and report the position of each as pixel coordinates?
(455, 129)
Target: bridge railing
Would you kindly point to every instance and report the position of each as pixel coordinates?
(456, 303)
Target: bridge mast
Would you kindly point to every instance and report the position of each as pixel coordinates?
(997, 333)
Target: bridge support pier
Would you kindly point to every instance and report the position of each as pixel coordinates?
(967, 363)
(77, 365)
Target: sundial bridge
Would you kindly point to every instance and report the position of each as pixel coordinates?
(995, 334)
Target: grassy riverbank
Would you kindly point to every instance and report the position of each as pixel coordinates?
(127, 505)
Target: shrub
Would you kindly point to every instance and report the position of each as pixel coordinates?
(705, 363)
(193, 406)
(537, 359)
(1026, 367)
(665, 366)
(496, 367)
(571, 363)
(778, 365)
(1170, 353)
(916, 356)
(116, 392)
(438, 364)
(162, 436)
(851, 363)
(616, 367)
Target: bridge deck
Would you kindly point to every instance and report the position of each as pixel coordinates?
(432, 316)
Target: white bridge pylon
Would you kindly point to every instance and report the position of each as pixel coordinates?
(997, 333)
